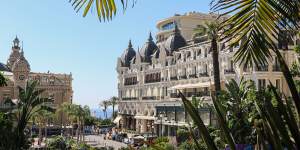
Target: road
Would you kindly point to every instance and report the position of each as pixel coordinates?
(98, 141)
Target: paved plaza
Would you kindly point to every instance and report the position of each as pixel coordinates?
(99, 141)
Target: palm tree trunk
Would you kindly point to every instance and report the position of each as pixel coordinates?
(77, 130)
(83, 131)
(40, 135)
(113, 114)
(215, 58)
(289, 79)
(46, 130)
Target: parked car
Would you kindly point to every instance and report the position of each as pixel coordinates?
(120, 137)
(138, 141)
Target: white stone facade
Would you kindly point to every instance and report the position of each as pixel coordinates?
(147, 86)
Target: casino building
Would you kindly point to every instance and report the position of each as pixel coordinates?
(18, 72)
(148, 78)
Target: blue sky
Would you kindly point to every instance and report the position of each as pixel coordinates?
(57, 39)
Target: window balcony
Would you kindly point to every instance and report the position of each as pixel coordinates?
(130, 83)
(191, 94)
(174, 78)
(153, 81)
(203, 74)
(129, 98)
(183, 77)
(150, 98)
(229, 71)
(192, 76)
(276, 68)
(174, 95)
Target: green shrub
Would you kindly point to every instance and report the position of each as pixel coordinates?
(297, 49)
(182, 135)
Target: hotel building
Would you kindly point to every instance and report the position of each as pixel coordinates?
(149, 78)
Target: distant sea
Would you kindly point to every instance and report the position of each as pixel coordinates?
(98, 113)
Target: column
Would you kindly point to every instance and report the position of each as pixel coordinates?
(169, 131)
(137, 126)
(144, 126)
(163, 130)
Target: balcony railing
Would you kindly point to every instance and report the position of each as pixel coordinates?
(229, 71)
(276, 68)
(150, 97)
(129, 98)
(191, 94)
(174, 78)
(203, 74)
(130, 83)
(174, 95)
(152, 81)
(183, 77)
(192, 76)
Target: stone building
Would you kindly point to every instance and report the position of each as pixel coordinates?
(148, 79)
(18, 72)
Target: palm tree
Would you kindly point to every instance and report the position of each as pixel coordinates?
(3, 80)
(30, 103)
(113, 103)
(64, 107)
(73, 114)
(76, 113)
(105, 9)
(86, 112)
(260, 23)
(104, 104)
(42, 119)
(211, 31)
(238, 102)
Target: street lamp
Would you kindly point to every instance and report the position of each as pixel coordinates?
(161, 115)
(152, 128)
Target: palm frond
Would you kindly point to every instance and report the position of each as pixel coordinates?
(193, 112)
(258, 20)
(106, 9)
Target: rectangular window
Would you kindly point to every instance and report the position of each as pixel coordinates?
(278, 85)
(261, 84)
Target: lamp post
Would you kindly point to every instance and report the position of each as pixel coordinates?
(161, 117)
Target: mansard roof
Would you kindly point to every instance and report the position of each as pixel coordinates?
(175, 41)
(148, 49)
(128, 55)
(3, 67)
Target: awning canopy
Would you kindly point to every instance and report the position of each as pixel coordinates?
(144, 117)
(117, 119)
(192, 86)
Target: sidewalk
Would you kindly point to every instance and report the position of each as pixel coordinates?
(98, 141)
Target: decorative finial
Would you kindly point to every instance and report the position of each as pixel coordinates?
(16, 42)
(176, 30)
(22, 52)
(150, 37)
(130, 45)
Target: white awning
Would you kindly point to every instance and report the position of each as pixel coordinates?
(191, 86)
(117, 119)
(144, 117)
